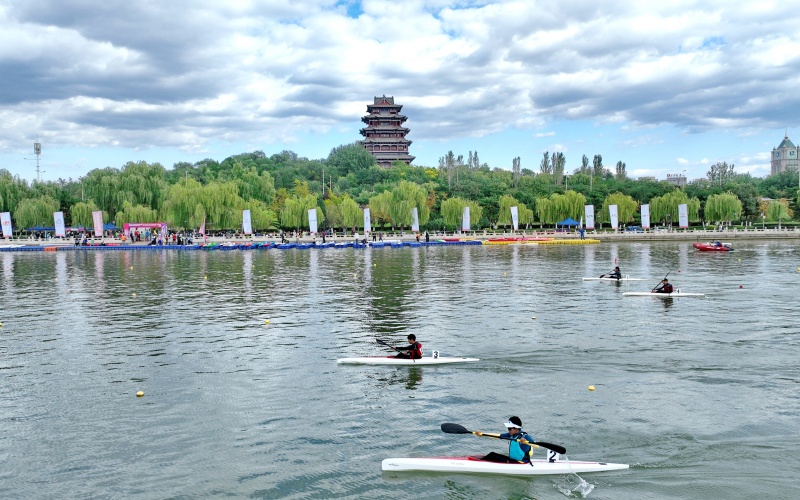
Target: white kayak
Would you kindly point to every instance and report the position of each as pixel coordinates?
(624, 278)
(391, 360)
(663, 295)
(476, 465)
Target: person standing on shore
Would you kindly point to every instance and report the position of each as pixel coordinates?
(582, 231)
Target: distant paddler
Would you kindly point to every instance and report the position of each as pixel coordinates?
(615, 274)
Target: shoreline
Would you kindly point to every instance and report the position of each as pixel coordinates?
(698, 235)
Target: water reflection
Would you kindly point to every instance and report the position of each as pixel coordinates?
(410, 376)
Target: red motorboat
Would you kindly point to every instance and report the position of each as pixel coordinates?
(713, 247)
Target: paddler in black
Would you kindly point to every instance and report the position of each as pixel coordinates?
(414, 349)
(665, 287)
(616, 273)
(517, 451)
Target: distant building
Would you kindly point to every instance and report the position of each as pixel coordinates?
(677, 179)
(646, 178)
(384, 135)
(784, 156)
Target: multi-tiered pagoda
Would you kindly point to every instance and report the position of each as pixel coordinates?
(384, 135)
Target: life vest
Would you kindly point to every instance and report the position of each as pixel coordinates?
(416, 352)
(515, 451)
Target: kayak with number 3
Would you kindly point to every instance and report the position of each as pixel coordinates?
(391, 360)
(477, 465)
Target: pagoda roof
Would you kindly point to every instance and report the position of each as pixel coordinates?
(392, 155)
(390, 128)
(786, 143)
(386, 140)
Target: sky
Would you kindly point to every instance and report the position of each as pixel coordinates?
(666, 87)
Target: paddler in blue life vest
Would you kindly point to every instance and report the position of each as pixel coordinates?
(414, 349)
(517, 450)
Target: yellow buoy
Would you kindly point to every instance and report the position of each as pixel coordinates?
(133, 295)
(139, 394)
(205, 277)
(533, 317)
(354, 275)
(131, 268)
(591, 387)
(1, 324)
(266, 321)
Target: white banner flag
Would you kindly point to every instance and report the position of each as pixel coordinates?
(589, 211)
(414, 220)
(515, 218)
(61, 229)
(247, 224)
(97, 220)
(645, 216)
(614, 214)
(367, 221)
(5, 220)
(683, 215)
(312, 220)
(465, 220)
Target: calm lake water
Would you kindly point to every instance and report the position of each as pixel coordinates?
(700, 396)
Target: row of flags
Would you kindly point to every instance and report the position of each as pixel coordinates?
(247, 225)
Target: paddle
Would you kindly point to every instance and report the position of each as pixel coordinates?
(449, 428)
(665, 277)
(384, 343)
(392, 347)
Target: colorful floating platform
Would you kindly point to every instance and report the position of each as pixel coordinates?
(234, 246)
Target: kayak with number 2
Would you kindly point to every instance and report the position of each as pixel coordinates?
(391, 360)
(477, 465)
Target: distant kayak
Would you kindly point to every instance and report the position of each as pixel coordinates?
(477, 465)
(391, 360)
(663, 295)
(711, 247)
(624, 278)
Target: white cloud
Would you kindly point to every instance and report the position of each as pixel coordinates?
(181, 74)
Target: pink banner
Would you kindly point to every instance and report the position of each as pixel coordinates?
(97, 220)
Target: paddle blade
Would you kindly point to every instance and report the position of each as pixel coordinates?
(556, 448)
(454, 429)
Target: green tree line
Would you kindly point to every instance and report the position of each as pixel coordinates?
(280, 189)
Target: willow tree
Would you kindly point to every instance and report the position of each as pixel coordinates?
(724, 207)
(504, 215)
(626, 207)
(396, 205)
(261, 216)
(778, 210)
(135, 213)
(12, 191)
(189, 203)
(452, 211)
(569, 204)
(82, 213)
(35, 212)
(379, 208)
(560, 206)
(352, 215)
(545, 210)
(294, 213)
(665, 208)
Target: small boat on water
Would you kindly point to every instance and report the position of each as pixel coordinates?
(478, 465)
(391, 360)
(624, 278)
(676, 293)
(713, 247)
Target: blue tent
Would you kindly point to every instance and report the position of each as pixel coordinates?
(569, 221)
